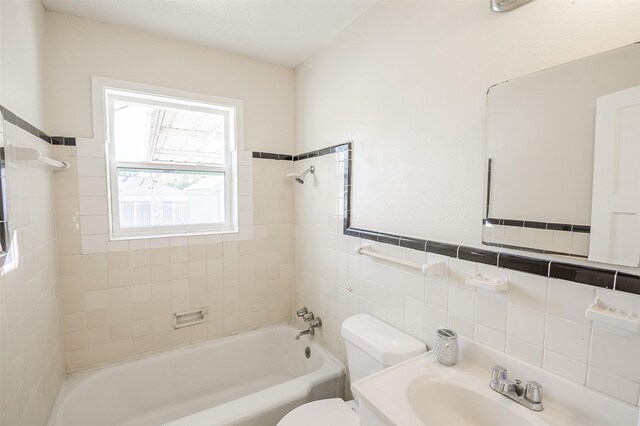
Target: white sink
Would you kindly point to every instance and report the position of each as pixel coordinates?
(423, 392)
(446, 402)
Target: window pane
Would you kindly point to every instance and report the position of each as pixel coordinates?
(146, 132)
(170, 197)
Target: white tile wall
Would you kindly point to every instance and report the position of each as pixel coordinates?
(614, 385)
(526, 325)
(31, 341)
(566, 300)
(564, 366)
(539, 320)
(118, 297)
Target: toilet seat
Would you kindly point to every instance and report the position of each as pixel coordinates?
(325, 412)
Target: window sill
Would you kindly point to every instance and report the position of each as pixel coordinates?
(170, 235)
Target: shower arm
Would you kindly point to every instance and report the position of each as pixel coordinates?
(311, 170)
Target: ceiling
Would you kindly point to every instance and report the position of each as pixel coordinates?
(280, 32)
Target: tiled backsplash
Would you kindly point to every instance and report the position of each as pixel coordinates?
(31, 344)
(540, 320)
(598, 277)
(118, 297)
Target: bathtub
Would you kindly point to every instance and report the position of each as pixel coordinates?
(249, 379)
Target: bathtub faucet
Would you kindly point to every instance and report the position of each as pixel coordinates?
(311, 331)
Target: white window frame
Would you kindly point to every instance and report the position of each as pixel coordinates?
(105, 91)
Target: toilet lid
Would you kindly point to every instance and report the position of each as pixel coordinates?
(326, 412)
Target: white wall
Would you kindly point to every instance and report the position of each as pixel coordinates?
(539, 320)
(21, 47)
(31, 342)
(408, 81)
(118, 297)
(79, 48)
(31, 345)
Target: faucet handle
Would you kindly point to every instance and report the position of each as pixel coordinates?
(533, 392)
(507, 385)
(301, 312)
(317, 322)
(499, 374)
(308, 316)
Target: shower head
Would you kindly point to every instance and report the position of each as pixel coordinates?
(507, 5)
(300, 178)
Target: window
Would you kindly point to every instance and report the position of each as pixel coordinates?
(170, 164)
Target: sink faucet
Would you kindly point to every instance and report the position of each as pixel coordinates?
(529, 395)
(311, 331)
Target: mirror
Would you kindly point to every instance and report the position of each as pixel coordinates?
(541, 146)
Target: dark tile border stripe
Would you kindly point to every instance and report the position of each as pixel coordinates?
(533, 250)
(413, 243)
(311, 154)
(392, 239)
(523, 264)
(445, 249)
(583, 274)
(480, 256)
(584, 229)
(627, 283)
(489, 164)
(272, 156)
(24, 125)
(603, 278)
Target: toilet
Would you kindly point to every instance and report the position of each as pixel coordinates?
(372, 346)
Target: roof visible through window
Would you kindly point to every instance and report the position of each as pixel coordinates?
(150, 133)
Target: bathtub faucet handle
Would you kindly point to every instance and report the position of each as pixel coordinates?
(301, 312)
(308, 317)
(317, 322)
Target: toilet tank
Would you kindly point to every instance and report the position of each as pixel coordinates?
(373, 345)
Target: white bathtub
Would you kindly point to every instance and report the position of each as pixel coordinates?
(250, 379)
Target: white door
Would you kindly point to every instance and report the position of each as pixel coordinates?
(615, 207)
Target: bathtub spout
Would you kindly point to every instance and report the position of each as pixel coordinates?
(310, 331)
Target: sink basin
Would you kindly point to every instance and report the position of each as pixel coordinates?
(441, 402)
(422, 391)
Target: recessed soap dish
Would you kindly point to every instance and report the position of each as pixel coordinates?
(191, 317)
